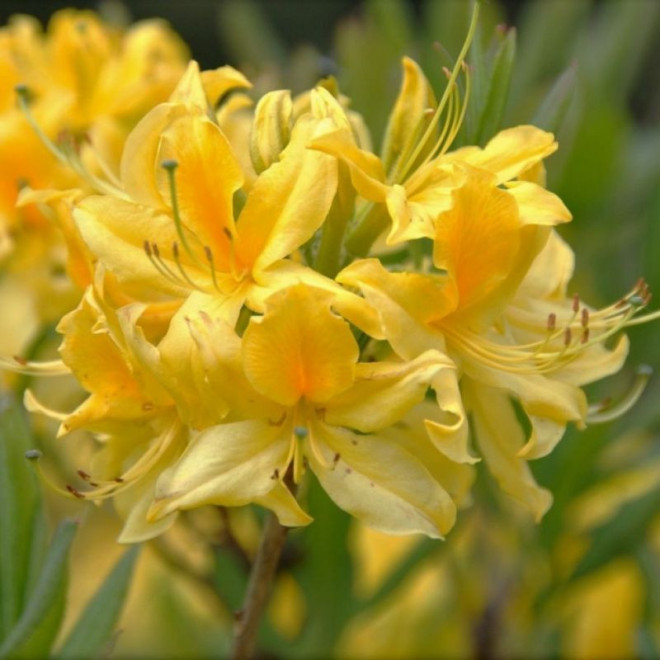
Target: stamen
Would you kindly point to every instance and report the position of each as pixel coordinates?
(552, 322)
(170, 166)
(602, 413)
(209, 258)
(19, 365)
(177, 261)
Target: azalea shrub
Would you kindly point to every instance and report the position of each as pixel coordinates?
(258, 306)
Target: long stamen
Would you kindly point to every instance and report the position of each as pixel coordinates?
(209, 257)
(449, 90)
(170, 166)
(67, 154)
(600, 414)
(177, 260)
(32, 368)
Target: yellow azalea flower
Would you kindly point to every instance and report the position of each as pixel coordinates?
(86, 85)
(509, 326)
(131, 413)
(172, 228)
(313, 404)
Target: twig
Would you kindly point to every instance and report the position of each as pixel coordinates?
(259, 587)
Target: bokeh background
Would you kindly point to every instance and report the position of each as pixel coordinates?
(585, 582)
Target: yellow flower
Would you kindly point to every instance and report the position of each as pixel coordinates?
(312, 404)
(497, 304)
(173, 228)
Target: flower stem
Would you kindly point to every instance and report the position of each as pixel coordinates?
(258, 589)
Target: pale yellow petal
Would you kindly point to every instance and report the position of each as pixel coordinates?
(447, 427)
(226, 465)
(380, 483)
(500, 437)
(384, 392)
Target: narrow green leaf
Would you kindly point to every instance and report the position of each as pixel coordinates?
(21, 516)
(94, 629)
(554, 106)
(39, 624)
(497, 91)
(621, 534)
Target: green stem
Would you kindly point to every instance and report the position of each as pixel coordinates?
(368, 229)
(259, 587)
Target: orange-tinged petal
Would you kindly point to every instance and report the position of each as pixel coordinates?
(207, 176)
(478, 240)
(299, 348)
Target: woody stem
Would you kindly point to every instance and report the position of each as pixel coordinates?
(259, 587)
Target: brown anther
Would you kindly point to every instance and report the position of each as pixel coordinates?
(227, 233)
(175, 251)
(276, 474)
(335, 458)
(585, 317)
(585, 336)
(83, 475)
(147, 406)
(647, 297)
(147, 248)
(20, 360)
(75, 492)
(238, 616)
(348, 470)
(576, 303)
(208, 253)
(155, 250)
(621, 303)
(552, 322)
(568, 337)
(118, 480)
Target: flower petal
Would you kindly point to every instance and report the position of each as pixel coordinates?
(380, 483)
(500, 437)
(299, 348)
(229, 465)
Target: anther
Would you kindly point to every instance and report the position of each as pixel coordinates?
(155, 250)
(83, 475)
(147, 248)
(335, 459)
(576, 303)
(585, 317)
(552, 322)
(585, 336)
(75, 492)
(568, 337)
(175, 251)
(33, 454)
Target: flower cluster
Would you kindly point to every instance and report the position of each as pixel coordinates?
(267, 297)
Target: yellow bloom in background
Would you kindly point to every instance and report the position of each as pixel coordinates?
(86, 85)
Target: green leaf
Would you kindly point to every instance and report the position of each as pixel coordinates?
(94, 629)
(620, 535)
(21, 515)
(40, 621)
(497, 89)
(554, 106)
